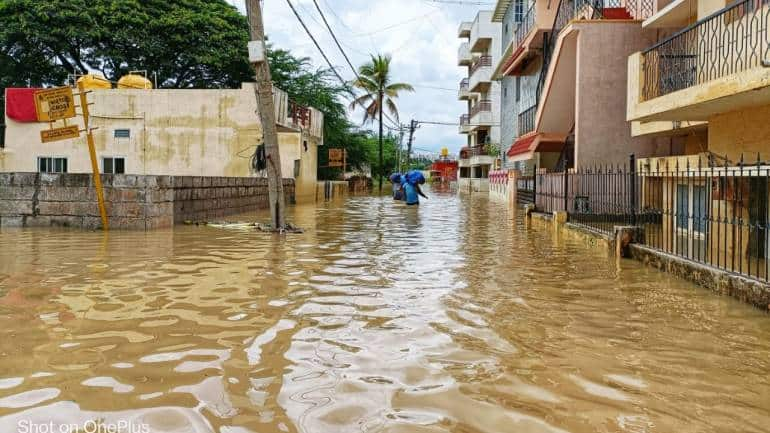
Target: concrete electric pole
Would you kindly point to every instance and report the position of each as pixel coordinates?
(266, 109)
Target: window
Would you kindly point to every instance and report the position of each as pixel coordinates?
(518, 89)
(48, 164)
(304, 144)
(296, 168)
(518, 13)
(506, 30)
(112, 165)
(505, 92)
(122, 133)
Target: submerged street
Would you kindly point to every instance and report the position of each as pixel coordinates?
(454, 316)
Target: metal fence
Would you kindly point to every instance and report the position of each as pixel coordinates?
(731, 40)
(691, 207)
(715, 215)
(525, 189)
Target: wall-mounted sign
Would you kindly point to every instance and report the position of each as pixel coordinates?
(58, 134)
(54, 104)
(336, 158)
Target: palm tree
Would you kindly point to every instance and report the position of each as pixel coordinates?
(374, 79)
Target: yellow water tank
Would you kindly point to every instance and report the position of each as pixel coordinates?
(444, 152)
(91, 82)
(133, 81)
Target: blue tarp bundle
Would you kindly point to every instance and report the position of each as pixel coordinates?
(415, 177)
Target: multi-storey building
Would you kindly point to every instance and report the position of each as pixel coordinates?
(563, 74)
(478, 53)
(703, 87)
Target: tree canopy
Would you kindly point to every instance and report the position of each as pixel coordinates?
(188, 43)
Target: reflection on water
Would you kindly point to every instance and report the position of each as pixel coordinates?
(454, 317)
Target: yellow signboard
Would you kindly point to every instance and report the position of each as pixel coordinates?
(336, 158)
(54, 104)
(58, 134)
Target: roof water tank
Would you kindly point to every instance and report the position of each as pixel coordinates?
(133, 81)
(91, 82)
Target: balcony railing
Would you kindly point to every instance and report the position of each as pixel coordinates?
(527, 120)
(464, 84)
(729, 41)
(524, 27)
(483, 105)
(479, 150)
(639, 9)
(483, 61)
(465, 120)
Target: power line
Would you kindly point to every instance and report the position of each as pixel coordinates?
(315, 42)
(328, 27)
(345, 83)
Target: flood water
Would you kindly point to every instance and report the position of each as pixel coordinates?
(454, 317)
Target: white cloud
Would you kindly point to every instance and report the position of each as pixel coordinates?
(420, 35)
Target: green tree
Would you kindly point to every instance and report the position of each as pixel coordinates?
(379, 91)
(190, 43)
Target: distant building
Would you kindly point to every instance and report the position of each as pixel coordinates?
(478, 53)
(177, 132)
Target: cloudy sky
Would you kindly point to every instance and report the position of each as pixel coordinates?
(421, 35)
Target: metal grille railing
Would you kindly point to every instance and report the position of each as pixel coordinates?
(690, 207)
(731, 40)
(526, 190)
(714, 215)
(483, 61)
(464, 83)
(527, 120)
(483, 105)
(567, 10)
(525, 26)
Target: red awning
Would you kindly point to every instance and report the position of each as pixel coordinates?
(20, 104)
(522, 145)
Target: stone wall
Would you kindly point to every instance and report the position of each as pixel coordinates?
(751, 291)
(133, 202)
(212, 198)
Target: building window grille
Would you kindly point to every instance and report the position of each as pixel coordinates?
(49, 164)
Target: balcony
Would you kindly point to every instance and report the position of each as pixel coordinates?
(483, 31)
(465, 124)
(478, 155)
(526, 42)
(464, 57)
(464, 93)
(712, 66)
(481, 114)
(527, 120)
(465, 29)
(481, 75)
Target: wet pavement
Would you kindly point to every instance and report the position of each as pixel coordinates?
(451, 317)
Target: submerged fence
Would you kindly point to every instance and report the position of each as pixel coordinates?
(691, 207)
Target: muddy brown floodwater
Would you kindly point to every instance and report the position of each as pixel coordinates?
(454, 317)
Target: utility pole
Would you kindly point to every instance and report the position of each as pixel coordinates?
(413, 125)
(266, 109)
(379, 167)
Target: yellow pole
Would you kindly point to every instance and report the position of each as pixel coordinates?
(92, 152)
